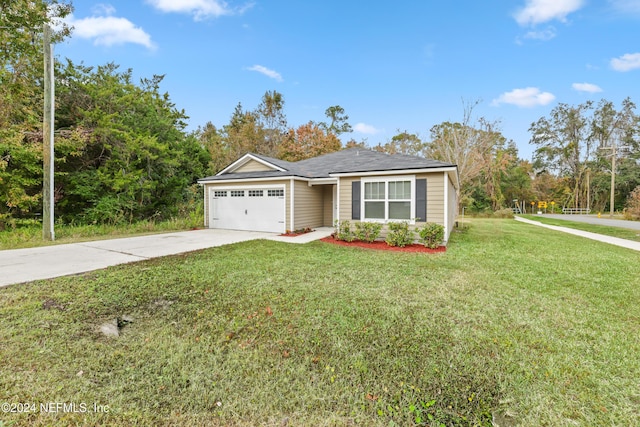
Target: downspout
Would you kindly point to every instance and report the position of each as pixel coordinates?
(291, 205)
(446, 205)
(337, 218)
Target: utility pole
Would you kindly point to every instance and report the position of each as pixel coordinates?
(47, 139)
(614, 154)
(588, 191)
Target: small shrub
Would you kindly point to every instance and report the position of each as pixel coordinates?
(399, 234)
(503, 213)
(7, 222)
(368, 231)
(632, 210)
(344, 232)
(431, 235)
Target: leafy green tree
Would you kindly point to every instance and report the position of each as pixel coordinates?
(245, 133)
(125, 155)
(617, 133)
(632, 206)
(211, 139)
(271, 116)
(403, 143)
(338, 121)
(21, 100)
(516, 182)
(574, 144)
(563, 140)
(471, 145)
(352, 143)
(307, 141)
(21, 23)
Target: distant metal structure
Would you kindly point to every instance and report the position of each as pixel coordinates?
(518, 208)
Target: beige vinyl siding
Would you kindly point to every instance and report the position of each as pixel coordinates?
(345, 198)
(308, 205)
(435, 196)
(253, 166)
(248, 184)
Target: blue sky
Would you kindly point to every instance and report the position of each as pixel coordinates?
(393, 66)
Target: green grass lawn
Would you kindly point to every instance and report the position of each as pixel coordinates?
(622, 233)
(529, 325)
(31, 236)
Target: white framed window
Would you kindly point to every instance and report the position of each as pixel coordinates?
(275, 193)
(237, 193)
(255, 193)
(220, 193)
(388, 198)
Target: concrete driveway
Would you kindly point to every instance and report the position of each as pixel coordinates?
(25, 265)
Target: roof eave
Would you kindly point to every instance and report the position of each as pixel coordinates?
(394, 171)
(212, 180)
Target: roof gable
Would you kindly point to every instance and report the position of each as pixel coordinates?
(253, 162)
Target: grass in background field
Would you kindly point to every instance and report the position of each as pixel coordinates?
(31, 236)
(622, 233)
(527, 325)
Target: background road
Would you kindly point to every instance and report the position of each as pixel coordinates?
(593, 219)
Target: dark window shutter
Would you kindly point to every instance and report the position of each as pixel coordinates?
(355, 200)
(421, 200)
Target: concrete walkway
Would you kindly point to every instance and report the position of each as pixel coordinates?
(25, 265)
(629, 244)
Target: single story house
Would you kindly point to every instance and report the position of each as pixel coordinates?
(265, 194)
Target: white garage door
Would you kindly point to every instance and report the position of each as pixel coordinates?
(254, 209)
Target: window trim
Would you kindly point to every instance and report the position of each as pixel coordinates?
(386, 200)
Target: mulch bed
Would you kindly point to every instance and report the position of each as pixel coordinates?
(382, 246)
(296, 232)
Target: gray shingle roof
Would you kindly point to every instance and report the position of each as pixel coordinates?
(344, 161)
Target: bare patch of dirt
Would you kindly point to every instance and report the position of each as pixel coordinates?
(51, 304)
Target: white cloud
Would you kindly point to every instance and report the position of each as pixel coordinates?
(527, 97)
(586, 87)
(200, 9)
(109, 30)
(266, 71)
(365, 128)
(626, 6)
(103, 9)
(545, 35)
(627, 62)
(539, 11)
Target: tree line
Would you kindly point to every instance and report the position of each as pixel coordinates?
(123, 151)
(571, 165)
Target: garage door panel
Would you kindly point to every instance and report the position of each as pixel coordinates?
(248, 209)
